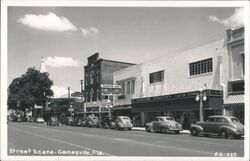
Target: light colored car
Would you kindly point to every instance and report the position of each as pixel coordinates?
(123, 122)
(223, 126)
(39, 120)
(164, 124)
(92, 121)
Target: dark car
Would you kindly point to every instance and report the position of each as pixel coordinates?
(21, 119)
(223, 126)
(123, 122)
(53, 121)
(79, 121)
(107, 122)
(164, 124)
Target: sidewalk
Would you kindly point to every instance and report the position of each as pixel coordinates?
(143, 129)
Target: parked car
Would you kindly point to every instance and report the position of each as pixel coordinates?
(164, 124)
(53, 121)
(69, 121)
(107, 122)
(79, 121)
(39, 120)
(123, 122)
(91, 121)
(223, 126)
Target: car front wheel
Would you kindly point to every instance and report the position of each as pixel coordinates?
(194, 132)
(224, 134)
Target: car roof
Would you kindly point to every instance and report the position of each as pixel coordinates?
(164, 117)
(222, 116)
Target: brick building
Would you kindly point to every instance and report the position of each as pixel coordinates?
(99, 88)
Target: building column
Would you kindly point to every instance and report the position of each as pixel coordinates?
(142, 117)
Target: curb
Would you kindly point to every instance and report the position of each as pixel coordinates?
(143, 129)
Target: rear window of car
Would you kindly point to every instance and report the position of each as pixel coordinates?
(171, 119)
(234, 120)
(125, 118)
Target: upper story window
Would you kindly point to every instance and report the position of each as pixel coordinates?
(123, 88)
(91, 94)
(243, 63)
(91, 77)
(156, 77)
(87, 80)
(128, 87)
(132, 86)
(97, 76)
(201, 67)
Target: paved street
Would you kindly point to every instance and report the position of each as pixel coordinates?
(39, 139)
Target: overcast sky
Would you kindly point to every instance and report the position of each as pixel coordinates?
(66, 36)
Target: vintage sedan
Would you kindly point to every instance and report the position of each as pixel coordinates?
(223, 126)
(39, 120)
(107, 122)
(92, 121)
(123, 122)
(164, 124)
(53, 121)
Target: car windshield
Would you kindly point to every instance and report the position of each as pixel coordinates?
(169, 119)
(125, 118)
(234, 120)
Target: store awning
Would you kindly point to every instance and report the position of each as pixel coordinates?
(234, 99)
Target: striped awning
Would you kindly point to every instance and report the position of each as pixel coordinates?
(234, 99)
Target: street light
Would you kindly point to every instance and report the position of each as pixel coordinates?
(201, 96)
(109, 105)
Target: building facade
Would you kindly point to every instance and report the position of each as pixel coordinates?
(99, 87)
(169, 85)
(130, 81)
(234, 77)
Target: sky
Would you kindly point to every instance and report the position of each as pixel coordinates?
(66, 36)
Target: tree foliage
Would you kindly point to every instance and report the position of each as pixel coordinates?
(31, 88)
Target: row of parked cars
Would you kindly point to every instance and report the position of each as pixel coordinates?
(220, 125)
(108, 122)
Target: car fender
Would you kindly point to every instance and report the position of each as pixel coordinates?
(120, 124)
(199, 128)
(228, 129)
(150, 125)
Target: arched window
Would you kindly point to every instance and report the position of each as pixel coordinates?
(91, 77)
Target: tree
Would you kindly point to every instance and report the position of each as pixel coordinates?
(31, 88)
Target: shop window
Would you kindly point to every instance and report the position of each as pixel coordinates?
(156, 77)
(201, 67)
(236, 87)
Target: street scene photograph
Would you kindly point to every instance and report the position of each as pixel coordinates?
(91, 81)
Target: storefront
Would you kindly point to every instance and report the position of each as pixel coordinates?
(234, 106)
(183, 106)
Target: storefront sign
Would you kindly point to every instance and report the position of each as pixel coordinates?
(176, 96)
(110, 89)
(110, 86)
